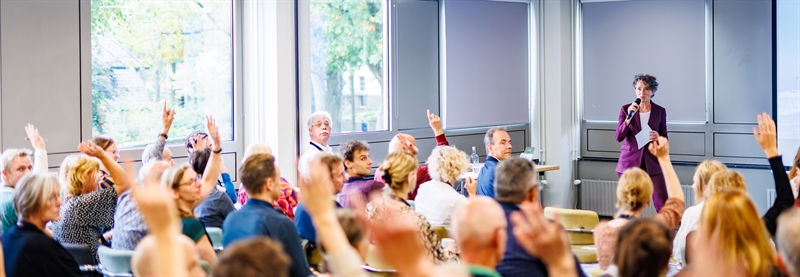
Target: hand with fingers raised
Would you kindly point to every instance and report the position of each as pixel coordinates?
(33, 135)
(544, 239)
(766, 135)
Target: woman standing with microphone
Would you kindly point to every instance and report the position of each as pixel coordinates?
(640, 123)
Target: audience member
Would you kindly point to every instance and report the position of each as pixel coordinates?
(643, 249)
(258, 217)
(303, 220)
(725, 180)
(144, 256)
(406, 142)
(358, 165)
(16, 163)
(546, 239)
(767, 138)
(216, 207)
(28, 246)
(88, 210)
(287, 202)
(730, 239)
(189, 191)
(498, 148)
(516, 184)
(481, 234)
(436, 199)
(200, 140)
(634, 193)
(246, 258)
(110, 146)
(319, 131)
(399, 173)
(158, 151)
(129, 224)
(691, 216)
(786, 237)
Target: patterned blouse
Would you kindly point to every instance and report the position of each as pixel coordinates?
(286, 202)
(377, 207)
(84, 217)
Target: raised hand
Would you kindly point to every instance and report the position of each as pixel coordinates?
(154, 201)
(199, 142)
(213, 130)
(766, 135)
(472, 186)
(33, 135)
(167, 116)
(89, 148)
(316, 193)
(436, 123)
(660, 148)
(653, 135)
(543, 238)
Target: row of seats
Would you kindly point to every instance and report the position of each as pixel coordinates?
(117, 263)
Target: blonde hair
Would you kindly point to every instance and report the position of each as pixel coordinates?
(635, 189)
(75, 172)
(256, 148)
(725, 180)
(396, 170)
(704, 172)
(171, 178)
(446, 163)
(731, 218)
(33, 191)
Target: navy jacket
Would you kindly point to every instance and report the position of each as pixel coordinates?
(302, 220)
(486, 177)
(259, 218)
(27, 251)
(516, 261)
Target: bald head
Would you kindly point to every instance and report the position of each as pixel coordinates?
(480, 228)
(788, 244)
(403, 142)
(143, 261)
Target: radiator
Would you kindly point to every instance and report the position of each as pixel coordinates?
(771, 195)
(600, 196)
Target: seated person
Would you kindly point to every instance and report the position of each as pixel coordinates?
(358, 165)
(212, 211)
(246, 258)
(287, 202)
(356, 232)
(259, 218)
(436, 199)
(28, 247)
(142, 260)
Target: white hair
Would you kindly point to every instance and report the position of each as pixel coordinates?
(256, 148)
(317, 114)
(394, 143)
(10, 154)
(787, 240)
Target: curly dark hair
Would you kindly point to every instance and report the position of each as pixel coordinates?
(650, 80)
(349, 148)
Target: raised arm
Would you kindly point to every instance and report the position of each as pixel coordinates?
(156, 153)
(211, 173)
(766, 137)
(316, 195)
(436, 125)
(39, 149)
(660, 149)
(122, 180)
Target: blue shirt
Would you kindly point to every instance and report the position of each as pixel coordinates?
(486, 177)
(259, 218)
(517, 261)
(302, 220)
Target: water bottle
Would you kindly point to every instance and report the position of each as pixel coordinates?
(475, 161)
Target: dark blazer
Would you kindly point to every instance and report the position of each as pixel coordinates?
(630, 155)
(30, 252)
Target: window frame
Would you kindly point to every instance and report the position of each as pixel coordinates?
(231, 148)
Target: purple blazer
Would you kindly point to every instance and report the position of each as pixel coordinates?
(630, 155)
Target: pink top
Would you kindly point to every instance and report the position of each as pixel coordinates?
(605, 236)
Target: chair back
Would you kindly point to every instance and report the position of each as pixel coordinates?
(83, 256)
(579, 224)
(313, 253)
(115, 263)
(215, 236)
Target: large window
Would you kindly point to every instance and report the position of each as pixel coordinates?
(347, 60)
(145, 52)
(788, 98)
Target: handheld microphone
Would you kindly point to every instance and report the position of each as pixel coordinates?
(638, 101)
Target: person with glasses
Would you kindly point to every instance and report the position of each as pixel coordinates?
(189, 191)
(319, 130)
(199, 140)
